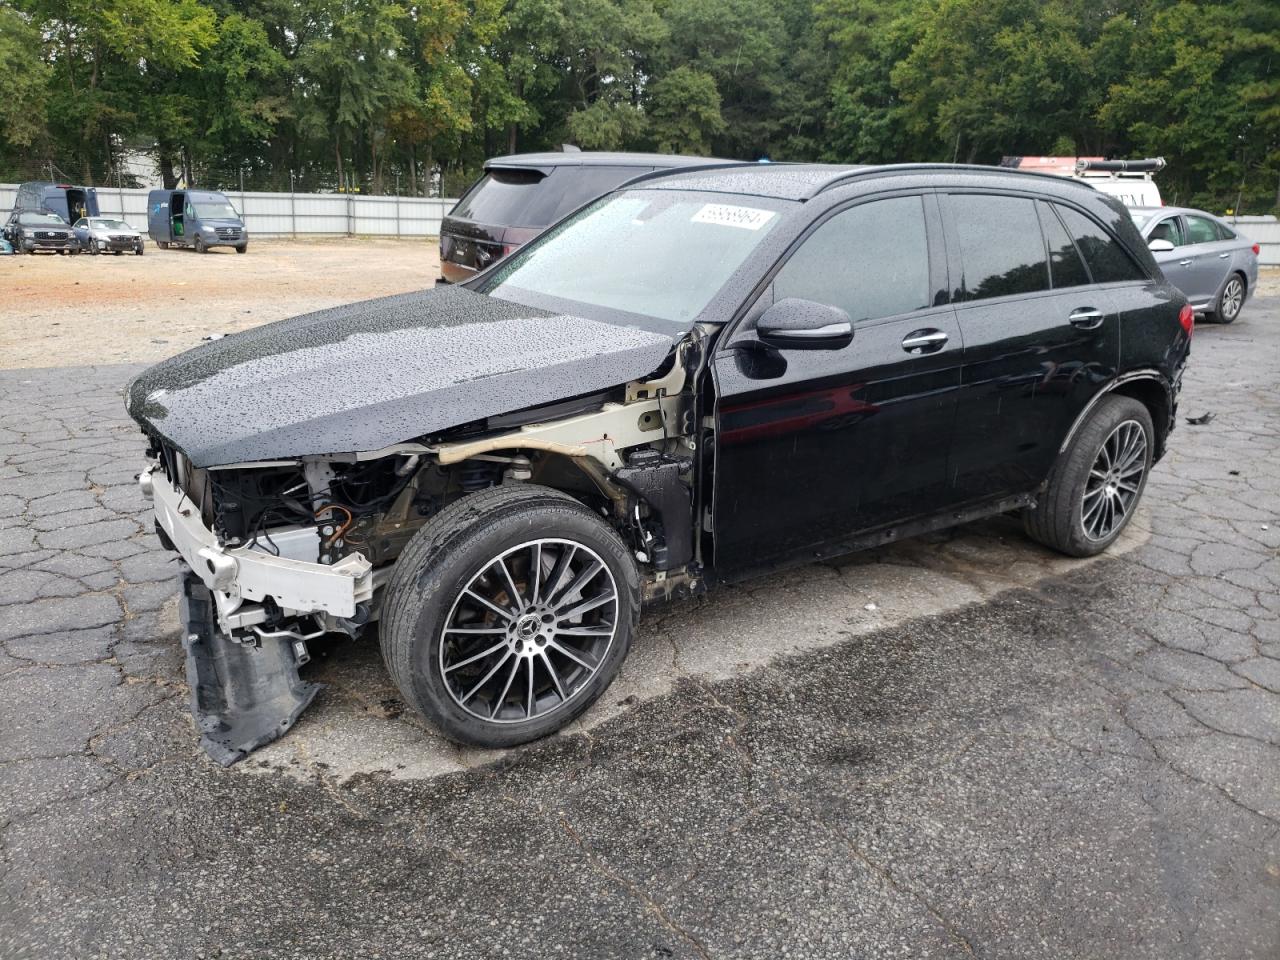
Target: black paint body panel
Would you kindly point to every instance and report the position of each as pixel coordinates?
(370, 374)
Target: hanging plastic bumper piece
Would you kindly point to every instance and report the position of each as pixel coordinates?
(243, 696)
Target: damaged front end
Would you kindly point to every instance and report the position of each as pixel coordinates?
(278, 553)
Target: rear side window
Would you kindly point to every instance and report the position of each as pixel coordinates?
(1107, 260)
(1001, 248)
(871, 261)
(1201, 230)
(1065, 266)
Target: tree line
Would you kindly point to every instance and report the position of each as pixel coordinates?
(376, 95)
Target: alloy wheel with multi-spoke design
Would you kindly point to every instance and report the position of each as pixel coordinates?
(1232, 299)
(1115, 481)
(529, 631)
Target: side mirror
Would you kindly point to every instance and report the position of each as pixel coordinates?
(1160, 246)
(795, 324)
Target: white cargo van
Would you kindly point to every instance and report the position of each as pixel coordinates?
(1129, 181)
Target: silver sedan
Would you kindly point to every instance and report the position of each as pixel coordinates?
(1215, 266)
(105, 235)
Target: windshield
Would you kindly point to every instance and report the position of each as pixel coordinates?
(1140, 217)
(661, 254)
(215, 210)
(109, 225)
(43, 218)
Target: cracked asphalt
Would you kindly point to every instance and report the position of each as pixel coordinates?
(957, 747)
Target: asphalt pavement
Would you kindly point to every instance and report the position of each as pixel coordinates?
(961, 746)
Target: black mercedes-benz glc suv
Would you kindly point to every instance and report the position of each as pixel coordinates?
(700, 376)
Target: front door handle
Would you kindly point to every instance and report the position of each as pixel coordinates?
(924, 341)
(1086, 318)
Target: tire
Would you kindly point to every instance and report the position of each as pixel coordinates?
(93, 248)
(243, 248)
(1061, 518)
(1230, 300)
(200, 247)
(138, 251)
(457, 552)
(162, 244)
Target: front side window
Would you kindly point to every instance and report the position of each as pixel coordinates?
(1001, 248)
(654, 253)
(1169, 229)
(1201, 230)
(1065, 266)
(1108, 261)
(871, 261)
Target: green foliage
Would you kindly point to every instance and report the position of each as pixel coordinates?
(365, 93)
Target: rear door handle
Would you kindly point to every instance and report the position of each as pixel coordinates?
(1185, 263)
(1223, 256)
(924, 341)
(1086, 318)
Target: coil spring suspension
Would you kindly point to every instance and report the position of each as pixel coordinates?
(476, 475)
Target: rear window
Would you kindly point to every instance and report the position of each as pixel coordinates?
(1000, 246)
(529, 198)
(1107, 260)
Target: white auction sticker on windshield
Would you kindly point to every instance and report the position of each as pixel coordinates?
(728, 215)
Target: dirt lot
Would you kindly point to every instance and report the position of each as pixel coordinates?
(63, 311)
(79, 311)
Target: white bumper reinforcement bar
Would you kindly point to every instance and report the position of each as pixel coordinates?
(243, 573)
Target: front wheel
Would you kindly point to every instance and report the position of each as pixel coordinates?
(1094, 488)
(509, 614)
(200, 247)
(243, 248)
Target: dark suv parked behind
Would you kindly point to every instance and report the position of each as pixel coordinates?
(701, 376)
(521, 195)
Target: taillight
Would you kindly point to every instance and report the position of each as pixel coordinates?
(1187, 317)
(1256, 249)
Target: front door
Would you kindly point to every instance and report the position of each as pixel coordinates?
(814, 445)
(1041, 338)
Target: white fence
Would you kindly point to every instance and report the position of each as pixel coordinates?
(338, 214)
(1265, 232)
(294, 214)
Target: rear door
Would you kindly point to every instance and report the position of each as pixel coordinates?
(1040, 339)
(814, 445)
(1211, 258)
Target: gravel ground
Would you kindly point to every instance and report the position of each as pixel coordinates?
(125, 309)
(959, 746)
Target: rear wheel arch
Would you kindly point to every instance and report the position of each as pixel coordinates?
(1155, 396)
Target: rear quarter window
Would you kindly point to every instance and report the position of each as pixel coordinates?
(1107, 260)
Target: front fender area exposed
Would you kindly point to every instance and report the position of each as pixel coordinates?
(242, 696)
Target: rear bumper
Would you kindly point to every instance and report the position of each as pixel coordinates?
(243, 575)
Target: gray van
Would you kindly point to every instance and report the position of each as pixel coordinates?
(67, 201)
(194, 218)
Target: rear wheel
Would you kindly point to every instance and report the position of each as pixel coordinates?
(162, 244)
(509, 614)
(1094, 488)
(1230, 300)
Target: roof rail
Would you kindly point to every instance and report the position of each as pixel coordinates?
(1149, 165)
(668, 171)
(892, 169)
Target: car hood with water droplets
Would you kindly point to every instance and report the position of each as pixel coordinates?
(367, 375)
